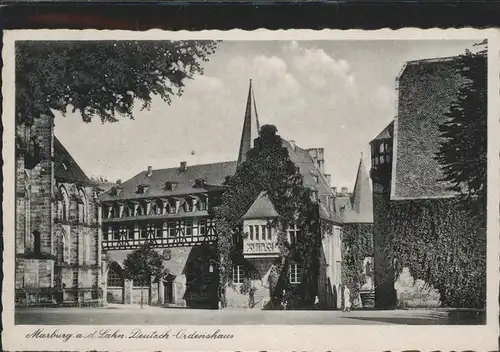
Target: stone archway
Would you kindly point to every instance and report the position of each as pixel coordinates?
(115, 284)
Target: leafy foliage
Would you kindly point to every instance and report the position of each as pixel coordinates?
(144, 263)
(463, 150)
(357, 244)
(103, 78)
(268, 168)
(440, 244)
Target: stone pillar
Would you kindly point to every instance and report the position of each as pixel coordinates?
(104, 282)
(161, 292)
(127, 292)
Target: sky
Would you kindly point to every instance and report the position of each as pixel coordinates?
(336, 95)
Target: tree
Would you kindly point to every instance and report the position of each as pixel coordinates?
(144, 264)
(268, 168)
(463, 149)
(103, 78)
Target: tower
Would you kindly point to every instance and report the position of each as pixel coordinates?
(362, 202)
(251, 127)
(381, 171)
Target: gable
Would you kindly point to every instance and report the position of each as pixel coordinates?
(65, 167)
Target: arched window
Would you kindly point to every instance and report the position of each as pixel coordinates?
(37, 242)
(64, 212)
(82, 207)
(115, 275)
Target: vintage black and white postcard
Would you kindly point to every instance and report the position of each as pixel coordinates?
(288, 190)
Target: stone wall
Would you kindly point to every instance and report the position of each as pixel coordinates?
(58, 266)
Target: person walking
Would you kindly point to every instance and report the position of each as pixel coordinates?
(316, 302)
(347, 299)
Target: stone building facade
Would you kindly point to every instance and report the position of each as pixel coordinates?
(57, 222)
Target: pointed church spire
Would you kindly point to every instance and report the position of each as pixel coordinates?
(362, 202)
(251, 127)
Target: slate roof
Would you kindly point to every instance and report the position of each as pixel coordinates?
(361, 209)
(426, 90)
(251, 126)
(215, 174)
(212, 174)
(261, 208)
(65, 167)
(387, 133)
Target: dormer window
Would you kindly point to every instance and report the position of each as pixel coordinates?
(169, 186)
(115, 191)
(199, 183)
(142, 189)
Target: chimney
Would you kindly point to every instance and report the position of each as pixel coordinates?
(328, 179)
(183, 165)
(150, 170)
(335, 190)
(344, 191)
(292, 142)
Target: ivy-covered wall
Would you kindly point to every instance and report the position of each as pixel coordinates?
(443, 245)
(357, 244)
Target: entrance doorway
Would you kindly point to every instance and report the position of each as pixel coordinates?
(168, 285)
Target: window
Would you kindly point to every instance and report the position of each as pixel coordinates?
(381, 147)
(36, 241)
(143, 231)
(256, 233)
(172, 229)
(159, 207)
(115, 277)
(131, 232)
(263, 228)
(188, 227)
(64, 204)
(159, 229)
(295, 273)
(251, 232)
(116, 233)
(202, 227)
(83, 207)
(202, 204)
(294, 234)
(269, 233)
(238, 274)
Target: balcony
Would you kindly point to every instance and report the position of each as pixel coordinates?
(260, 248)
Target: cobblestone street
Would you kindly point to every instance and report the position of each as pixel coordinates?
(123, 315)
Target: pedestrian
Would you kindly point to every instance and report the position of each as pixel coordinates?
(316, 302)
(347, 299)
